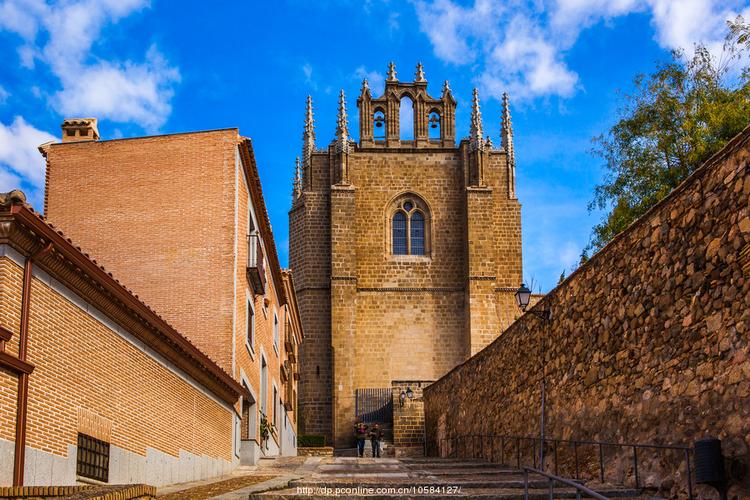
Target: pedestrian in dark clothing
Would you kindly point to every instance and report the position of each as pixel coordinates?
(376, 435)
(360, 432)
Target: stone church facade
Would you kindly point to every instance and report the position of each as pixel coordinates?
(406, 251)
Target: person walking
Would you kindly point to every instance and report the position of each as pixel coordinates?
(360, 433)
(376, 435)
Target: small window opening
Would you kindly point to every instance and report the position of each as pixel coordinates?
(417, 233)
(399, 234)
(406, 119)
(378, 125)
(434, 125)
(92, 459)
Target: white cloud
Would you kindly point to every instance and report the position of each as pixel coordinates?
(307, 70)
(681, 24)
(375, 79)
(138, 93)
(19, 156)
(4, 94)
(393, 23)
(526, 64)
(63, 35)
(506, 39)
(8, 180)
(519, 45)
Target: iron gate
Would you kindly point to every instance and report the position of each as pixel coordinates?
(374, 405)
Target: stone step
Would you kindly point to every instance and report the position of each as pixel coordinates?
(501, 494)
(386, 450)
(401, 480)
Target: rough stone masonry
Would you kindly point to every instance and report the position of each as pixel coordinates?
(375, 312)
(648, 341)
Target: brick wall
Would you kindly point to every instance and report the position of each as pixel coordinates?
(648, 342)
(157, 210)
(169, 215)
(83, 365)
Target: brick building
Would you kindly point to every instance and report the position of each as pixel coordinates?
(180, 218)
(406, 249)
(94, 385)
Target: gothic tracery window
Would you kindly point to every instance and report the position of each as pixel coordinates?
(409, 227)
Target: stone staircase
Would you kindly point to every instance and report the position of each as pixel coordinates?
(420, 478)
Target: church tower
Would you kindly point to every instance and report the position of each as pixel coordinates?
(405, 248)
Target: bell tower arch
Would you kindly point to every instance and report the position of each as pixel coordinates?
(379, 118)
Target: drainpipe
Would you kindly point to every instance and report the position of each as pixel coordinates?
(23, 378)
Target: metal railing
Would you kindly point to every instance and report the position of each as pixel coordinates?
(552, 480)
(485, 442)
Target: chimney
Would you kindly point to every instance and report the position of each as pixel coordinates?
(79, 129)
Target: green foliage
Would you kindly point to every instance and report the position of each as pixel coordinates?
(676, 119)
(584, 257)
(562, 277)
(266, 429)
(310, 441)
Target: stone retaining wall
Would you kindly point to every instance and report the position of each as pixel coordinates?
(408, 420)
(648, 341)
(319, 451)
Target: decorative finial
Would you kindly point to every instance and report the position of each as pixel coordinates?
(365, 87)
(489, 142)
(391, 72)
(446, 88)
(297, 184)
(14, 197)
(342, 126)
(506, 134)
(308, 136)
(419, 75)
(476, 133)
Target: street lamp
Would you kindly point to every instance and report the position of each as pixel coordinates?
(523, 297)
(402, 397)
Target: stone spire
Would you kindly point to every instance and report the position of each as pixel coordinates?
(446, 89)
(391, 72)
(476, 139)
(506, 133)
(308, 136)
(419, 74)
(342, 126)
(365, 88)
(297, 184)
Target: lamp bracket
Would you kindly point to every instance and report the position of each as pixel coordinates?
(545, 314)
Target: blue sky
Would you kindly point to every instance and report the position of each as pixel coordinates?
(159, 67)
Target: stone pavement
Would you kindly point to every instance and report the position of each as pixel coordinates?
(421, 478)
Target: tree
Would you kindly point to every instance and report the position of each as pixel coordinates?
(676, 118)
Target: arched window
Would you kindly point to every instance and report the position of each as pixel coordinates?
(406, 119)
(400, 244)
(417, 233)
(409, 219)
(378, 125)
(433, 122)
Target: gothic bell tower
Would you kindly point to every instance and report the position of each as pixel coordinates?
(379, 119)
(405, 248)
